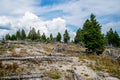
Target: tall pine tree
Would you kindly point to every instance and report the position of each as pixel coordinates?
(79, 36)
(58, 37)
(93, 39)
(51, 38)
(43, 37)
(32, 34)
(66, 36)
(18, 35)
(23, 34)
(7, 37)
(113, 38)
(38, 35)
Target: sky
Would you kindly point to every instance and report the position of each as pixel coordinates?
(53, 16)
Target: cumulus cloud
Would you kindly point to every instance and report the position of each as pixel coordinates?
(114, 25)
(79, 10)
(29, 20)
(16, 7)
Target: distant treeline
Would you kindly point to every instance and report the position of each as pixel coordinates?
(90, 36)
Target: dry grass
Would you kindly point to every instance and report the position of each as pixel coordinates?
(14, 54)
(103, 63)
(8, 69)
(119, 52)
(47, 47)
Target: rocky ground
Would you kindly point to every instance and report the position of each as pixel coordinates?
(63, 68)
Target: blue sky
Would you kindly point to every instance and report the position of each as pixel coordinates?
(52, 16)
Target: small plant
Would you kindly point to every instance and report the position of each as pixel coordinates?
(55, 75)
(74, 68)
(68, 70)
(89, 79)
(86, 75)
(60, 66)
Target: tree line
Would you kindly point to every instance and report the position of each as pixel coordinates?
(36, 36)
(90, 36)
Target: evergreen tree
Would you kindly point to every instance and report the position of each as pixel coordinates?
(48, 40)
(18, 35)
(66, 36)
(51, 37)
(38, 35)
(13, 37)
(116, 39)
(32, 34)
(113, 38)
(23, 34)
(7, 37)
(79, 36)
(43, 38)
(93, 39)
(58, 38)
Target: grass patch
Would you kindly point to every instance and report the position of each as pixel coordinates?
(102, 63)
(86, 75)
(89, 79)
(54, 74)
(68, 70)
(8, 69)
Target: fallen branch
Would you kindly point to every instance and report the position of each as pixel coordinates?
(43, 58)
(24, 76)
(68, 50)
(75, 75)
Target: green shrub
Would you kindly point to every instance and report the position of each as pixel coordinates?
(55, 75)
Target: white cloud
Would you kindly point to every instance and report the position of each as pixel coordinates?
(30, 20)
(79, 10)
(4, 20)
(2, 33)
(114, 25)
(16, 7)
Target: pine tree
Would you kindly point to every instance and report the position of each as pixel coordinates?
(18, 35)
(93, 39)
(113, 38)
(58, 37)
(79, 36)
(38, 35)
(7, 37)
(32, 34)
(23, 35)
(51, 37)
(43, 38)
(116, 39)
(66, 36)
(13, 37)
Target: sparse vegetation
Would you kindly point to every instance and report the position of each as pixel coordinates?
(86, 75)
(54, 74)
(8, 69)
(68, 70)
(103, 63)
(89, 79)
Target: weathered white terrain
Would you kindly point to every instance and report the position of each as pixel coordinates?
(56, 66)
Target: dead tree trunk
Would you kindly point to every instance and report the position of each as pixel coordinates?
(24, 76)
(33, 58)
(75, 75)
